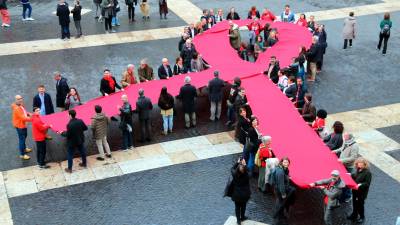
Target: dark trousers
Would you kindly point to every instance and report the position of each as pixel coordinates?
(126, 140)
(384, 38)
(144, 129)
(320, 63)
(25, 7)
(71, 151)
(345, 43)
(358, 205)
(22, 134)
(131, 12)
(231, 113)
(41, 152)
(78, 28)
(284, 203)
(65, 32)
(107, 23)
(240, 210)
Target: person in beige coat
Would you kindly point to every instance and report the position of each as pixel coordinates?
(99, 127)
(128, 77)
(234, 35)
(349, 30)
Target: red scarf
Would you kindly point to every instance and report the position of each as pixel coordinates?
(111, 81)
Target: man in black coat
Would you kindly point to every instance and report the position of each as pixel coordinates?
(43, 101)
(108, 84)
(75, 139)
(314, 55)
(273, 69)
(62, 90)
(291, 90)
(215, 87)
(63, 19)
(187, 53)
(187, 95)
(143, 108)
(165, 71)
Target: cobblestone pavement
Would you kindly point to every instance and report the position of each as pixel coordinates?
(183, 194)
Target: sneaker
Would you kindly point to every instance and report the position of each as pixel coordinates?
(68, 170)
(131, 148)
(100, 158)
(109, 155)
(113, 31)
(30, 19)
(44, 166)
(5, 25)
(125, 150)
(25, 157)
(24, 19)
(27, 150)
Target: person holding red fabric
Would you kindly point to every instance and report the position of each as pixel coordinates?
(108, 84)
(253, 13)
(302, 21)
(128, 77)
(332, 189)
(255, 26)
(268, 15)
(319, 123)
(39, 133)
(264, 152)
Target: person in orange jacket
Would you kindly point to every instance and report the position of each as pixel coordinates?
(19, 119)
(39, 133)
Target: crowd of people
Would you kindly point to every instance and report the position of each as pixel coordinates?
(258, 157)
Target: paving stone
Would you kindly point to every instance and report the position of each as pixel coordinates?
(19, 188)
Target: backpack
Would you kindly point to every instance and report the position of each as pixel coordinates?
(386, 29)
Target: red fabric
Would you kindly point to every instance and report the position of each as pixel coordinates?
(111, 81)
(311, 159)
(39, 129)
(268, 15)
(264, 153)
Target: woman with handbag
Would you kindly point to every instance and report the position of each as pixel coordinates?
(252, 143)
(73, 99)
(240, 189)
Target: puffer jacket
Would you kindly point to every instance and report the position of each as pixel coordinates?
(100, 125)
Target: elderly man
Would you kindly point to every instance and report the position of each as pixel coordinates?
(143, 108)
(332, 189)
(145, 71)
(234, 35)
(187, 53)
(165, 71)
(215, 88)
(314, 55)
(187, 95)
(126, 123)
(128, 77)
(62, 90)
(19, 118)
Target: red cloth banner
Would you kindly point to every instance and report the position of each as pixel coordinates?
(292, 137)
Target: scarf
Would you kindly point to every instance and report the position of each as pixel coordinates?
(111, 81)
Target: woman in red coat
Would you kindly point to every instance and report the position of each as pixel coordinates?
(302, 21)
(268, 15)
(39, 133)
(264, 152)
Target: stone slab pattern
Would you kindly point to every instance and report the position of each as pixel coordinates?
(188, 193)
(32, 179)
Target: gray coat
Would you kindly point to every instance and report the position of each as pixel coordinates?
(333, 192)
(349, 28)
(349, 154)
(100, 125)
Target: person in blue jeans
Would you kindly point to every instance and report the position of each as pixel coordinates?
(75, 139)
(115, 20)
(126, 123)
(166, 104)
(26, 5)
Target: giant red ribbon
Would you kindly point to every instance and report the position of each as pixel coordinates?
(311, 160)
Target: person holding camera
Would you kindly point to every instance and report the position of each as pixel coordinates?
(240, 188)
